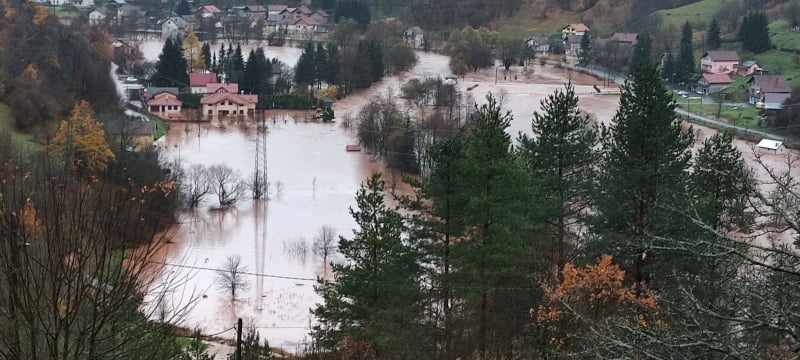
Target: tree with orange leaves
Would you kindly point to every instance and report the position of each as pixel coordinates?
(81, 140)
(591, 295)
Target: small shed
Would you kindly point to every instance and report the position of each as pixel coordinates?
(771, 145)
(353, 147)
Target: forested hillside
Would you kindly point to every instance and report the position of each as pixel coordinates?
(46, 66)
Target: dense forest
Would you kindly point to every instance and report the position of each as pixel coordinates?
(47, 66)
(581, 241)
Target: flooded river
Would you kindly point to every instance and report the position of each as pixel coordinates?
(313, 183)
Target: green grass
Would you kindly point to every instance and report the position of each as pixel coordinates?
(745, 117)
(702, 11)
(781, 63)
(782, 37)
(161, 126)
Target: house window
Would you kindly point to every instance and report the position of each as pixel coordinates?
(209, 112)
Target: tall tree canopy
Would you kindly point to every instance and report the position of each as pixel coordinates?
(754, 32)
(171, 66)
(685, 66)
(81, 140)
(645, 162)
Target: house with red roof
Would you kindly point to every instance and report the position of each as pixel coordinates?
(165, 105)
(224, 103)
(212, 88)
(208, 11)
(198, 81)
(713, 83)
(574, 29)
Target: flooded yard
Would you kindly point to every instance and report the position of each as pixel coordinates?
(313, 183)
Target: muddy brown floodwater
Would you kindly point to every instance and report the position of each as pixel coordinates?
(313, 183)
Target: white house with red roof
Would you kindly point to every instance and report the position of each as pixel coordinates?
(223, 102)
(574, 29)
(198, 81)
(713, 83)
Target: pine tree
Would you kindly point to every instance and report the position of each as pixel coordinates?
(642, 52)
(171, 66)
(755, 32)
(714, 40)
(585, 53)
(376, 59)
(320, 63)
(670, 68)
(206, 51)
(719, 186)
(495, 213)
(435, 216)
(183, 8)
(332, 68)
(560, 158)
(685, 66)
(643, 171)
(304, 71)
(374, 295)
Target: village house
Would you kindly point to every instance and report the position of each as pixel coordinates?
(213, 88)
(83, 4)
(132, 135)
(572, 45)
(253, 12)
(208, 11)
(574, 29)
(165, 105)
(225, 103)
(713, 83)
(719, 62)
(769, 90)
(174, 27)
(275, 9)
(539, 44)
(126, 12)
(320, 16)
(748, 68)
(414, 37)
(98, 16)
(199, 81)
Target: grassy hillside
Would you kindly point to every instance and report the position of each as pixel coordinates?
(701, 11)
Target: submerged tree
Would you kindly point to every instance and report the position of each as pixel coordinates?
(231, 276)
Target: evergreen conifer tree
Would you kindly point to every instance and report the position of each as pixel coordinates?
(714, 40)
(643, 172)
(373, 298)
(560, 158)
(642, 52)
(206, 50)
(685, 66)
(585, 53)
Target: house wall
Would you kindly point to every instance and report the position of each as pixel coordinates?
(229, 107)
(198, 90)
(718, 67)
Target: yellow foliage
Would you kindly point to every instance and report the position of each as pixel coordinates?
(332, 91)
(193, 53)
(29, 219)
(40, 14)
(82, 140)
(32, 71)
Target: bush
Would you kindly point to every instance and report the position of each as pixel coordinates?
(288, 101)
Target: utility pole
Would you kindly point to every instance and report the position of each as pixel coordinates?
(261, 187)
(239, 339)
